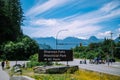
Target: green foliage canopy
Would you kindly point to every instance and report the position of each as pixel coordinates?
(101, 49)
(11, 18)
(21, 49)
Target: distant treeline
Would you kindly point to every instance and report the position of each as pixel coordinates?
(102, 49)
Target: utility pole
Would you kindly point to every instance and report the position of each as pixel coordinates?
(119, 38)
(111, 34)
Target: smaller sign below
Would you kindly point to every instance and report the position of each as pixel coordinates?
(55, 55)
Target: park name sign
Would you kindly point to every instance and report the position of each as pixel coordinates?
(55, 55)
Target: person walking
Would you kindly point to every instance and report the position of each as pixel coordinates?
(2, 64)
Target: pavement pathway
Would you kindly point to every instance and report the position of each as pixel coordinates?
(21, 78)
(3, 74)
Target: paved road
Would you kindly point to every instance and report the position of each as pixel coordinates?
(3, 75)
(113, 68)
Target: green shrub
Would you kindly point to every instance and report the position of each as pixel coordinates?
(34, 62)
(72, 69)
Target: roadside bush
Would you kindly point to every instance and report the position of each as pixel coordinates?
(34, 62)
(72, 69)
(76, 55)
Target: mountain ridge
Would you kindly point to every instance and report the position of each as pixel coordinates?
(66, 43)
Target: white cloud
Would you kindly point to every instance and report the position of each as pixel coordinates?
(119, 30)
(107, 34)
(104, 34)
(37, 9)
(100, 14)
(45, 22)
(52, 26)
(75, 26)
(78, 25)
(110, 6)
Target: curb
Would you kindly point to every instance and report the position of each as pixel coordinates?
(21, 78)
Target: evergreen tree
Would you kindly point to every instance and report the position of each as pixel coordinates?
(16, 16)
(11, 18)
(5, 24)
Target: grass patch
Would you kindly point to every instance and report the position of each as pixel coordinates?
(90, 75)
(28, 72)
(118, 60)
(78, 75)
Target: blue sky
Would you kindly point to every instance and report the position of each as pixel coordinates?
(74, 18)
